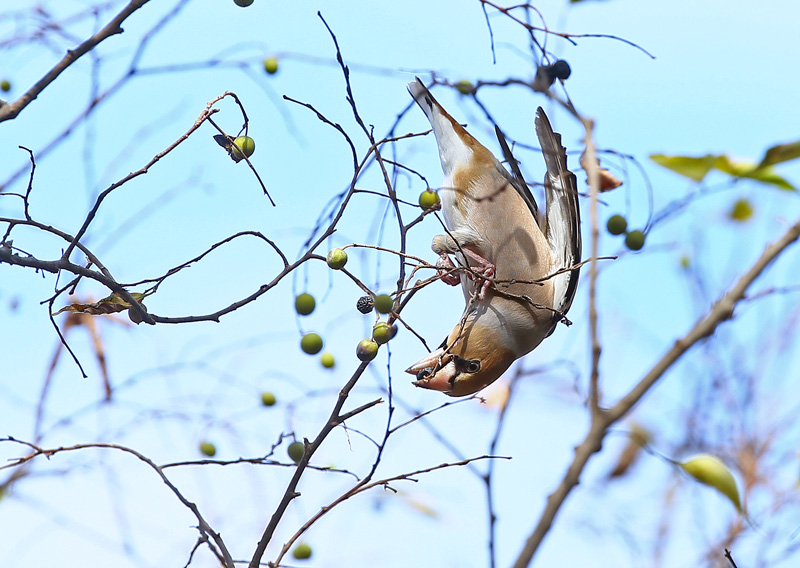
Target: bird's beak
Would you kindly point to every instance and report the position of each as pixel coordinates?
(435, 371)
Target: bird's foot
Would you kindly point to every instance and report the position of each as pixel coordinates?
(445, 268)
(483, 269)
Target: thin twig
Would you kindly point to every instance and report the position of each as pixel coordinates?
(203, 526)
(721, 311)
(114, 27)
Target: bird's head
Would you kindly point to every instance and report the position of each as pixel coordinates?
(469, 360)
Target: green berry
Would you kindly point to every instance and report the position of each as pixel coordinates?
(742, 210)
(428, 199)
(304, 304)
(268, 399)
(296, 451)
(302, 551)
(336, 259)
(617, 225)
(271, 65)
(311, 343)
(5, 85)
(634, 240)
(242, 146)
(382, 332)
(243, 3)
(208, 449)
(327, 360)
(384, 303)
(367, 350)
(465, 87)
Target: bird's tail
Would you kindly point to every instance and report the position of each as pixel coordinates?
(456, 145)
(563, 216)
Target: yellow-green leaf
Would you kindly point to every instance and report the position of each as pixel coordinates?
(768, 175)
(748, 170)
(780, 153)
(710, 470)
(109, 305)
(687, 166)
(696, 168)
(419, 505)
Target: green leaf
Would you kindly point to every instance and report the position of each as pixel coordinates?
(697, 168)
(109, 305)
(748, 170)
(767, 175)
(710, 470)
(780, 153)
(687, 166)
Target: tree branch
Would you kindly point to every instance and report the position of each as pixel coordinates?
(603, 420)
(114, 27)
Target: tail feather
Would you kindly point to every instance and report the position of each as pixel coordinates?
(563, 219)
(456, 145)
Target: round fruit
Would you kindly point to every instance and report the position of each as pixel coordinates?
(742, 210)
(428, 199)
(337, 258)
(327, 360)
(365, 304)
(384, 303)
(617, 225)
(382, 332)
(367, 350)
(634, 240)
(311, 343)
(465, 87)
(242, 146)
(561, 70)
(135, 317)
(5, 85)
(208, 449)
(304, 304)
(302, 551)
(243, 3)
(296, 451)
(271, 65)
(268, 399)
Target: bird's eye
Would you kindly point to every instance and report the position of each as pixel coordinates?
(423, 374)
(472, 366)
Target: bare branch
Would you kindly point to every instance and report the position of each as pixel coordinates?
(114, 27)
(203, 526)
(602, 420)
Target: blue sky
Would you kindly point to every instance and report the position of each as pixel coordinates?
(722, 81)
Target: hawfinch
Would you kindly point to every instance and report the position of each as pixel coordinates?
(517, 267)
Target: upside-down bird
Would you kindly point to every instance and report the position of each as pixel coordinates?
(518, 268)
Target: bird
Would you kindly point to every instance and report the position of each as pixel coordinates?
(518, 267)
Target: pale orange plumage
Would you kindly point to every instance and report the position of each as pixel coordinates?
(496, 229)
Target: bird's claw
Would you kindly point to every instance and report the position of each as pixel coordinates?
(445, 268)
(484, 270)
(486, 273)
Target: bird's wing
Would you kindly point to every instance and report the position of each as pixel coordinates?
(562, 217)
(517, 181)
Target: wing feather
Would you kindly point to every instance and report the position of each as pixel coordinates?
(562, 216)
